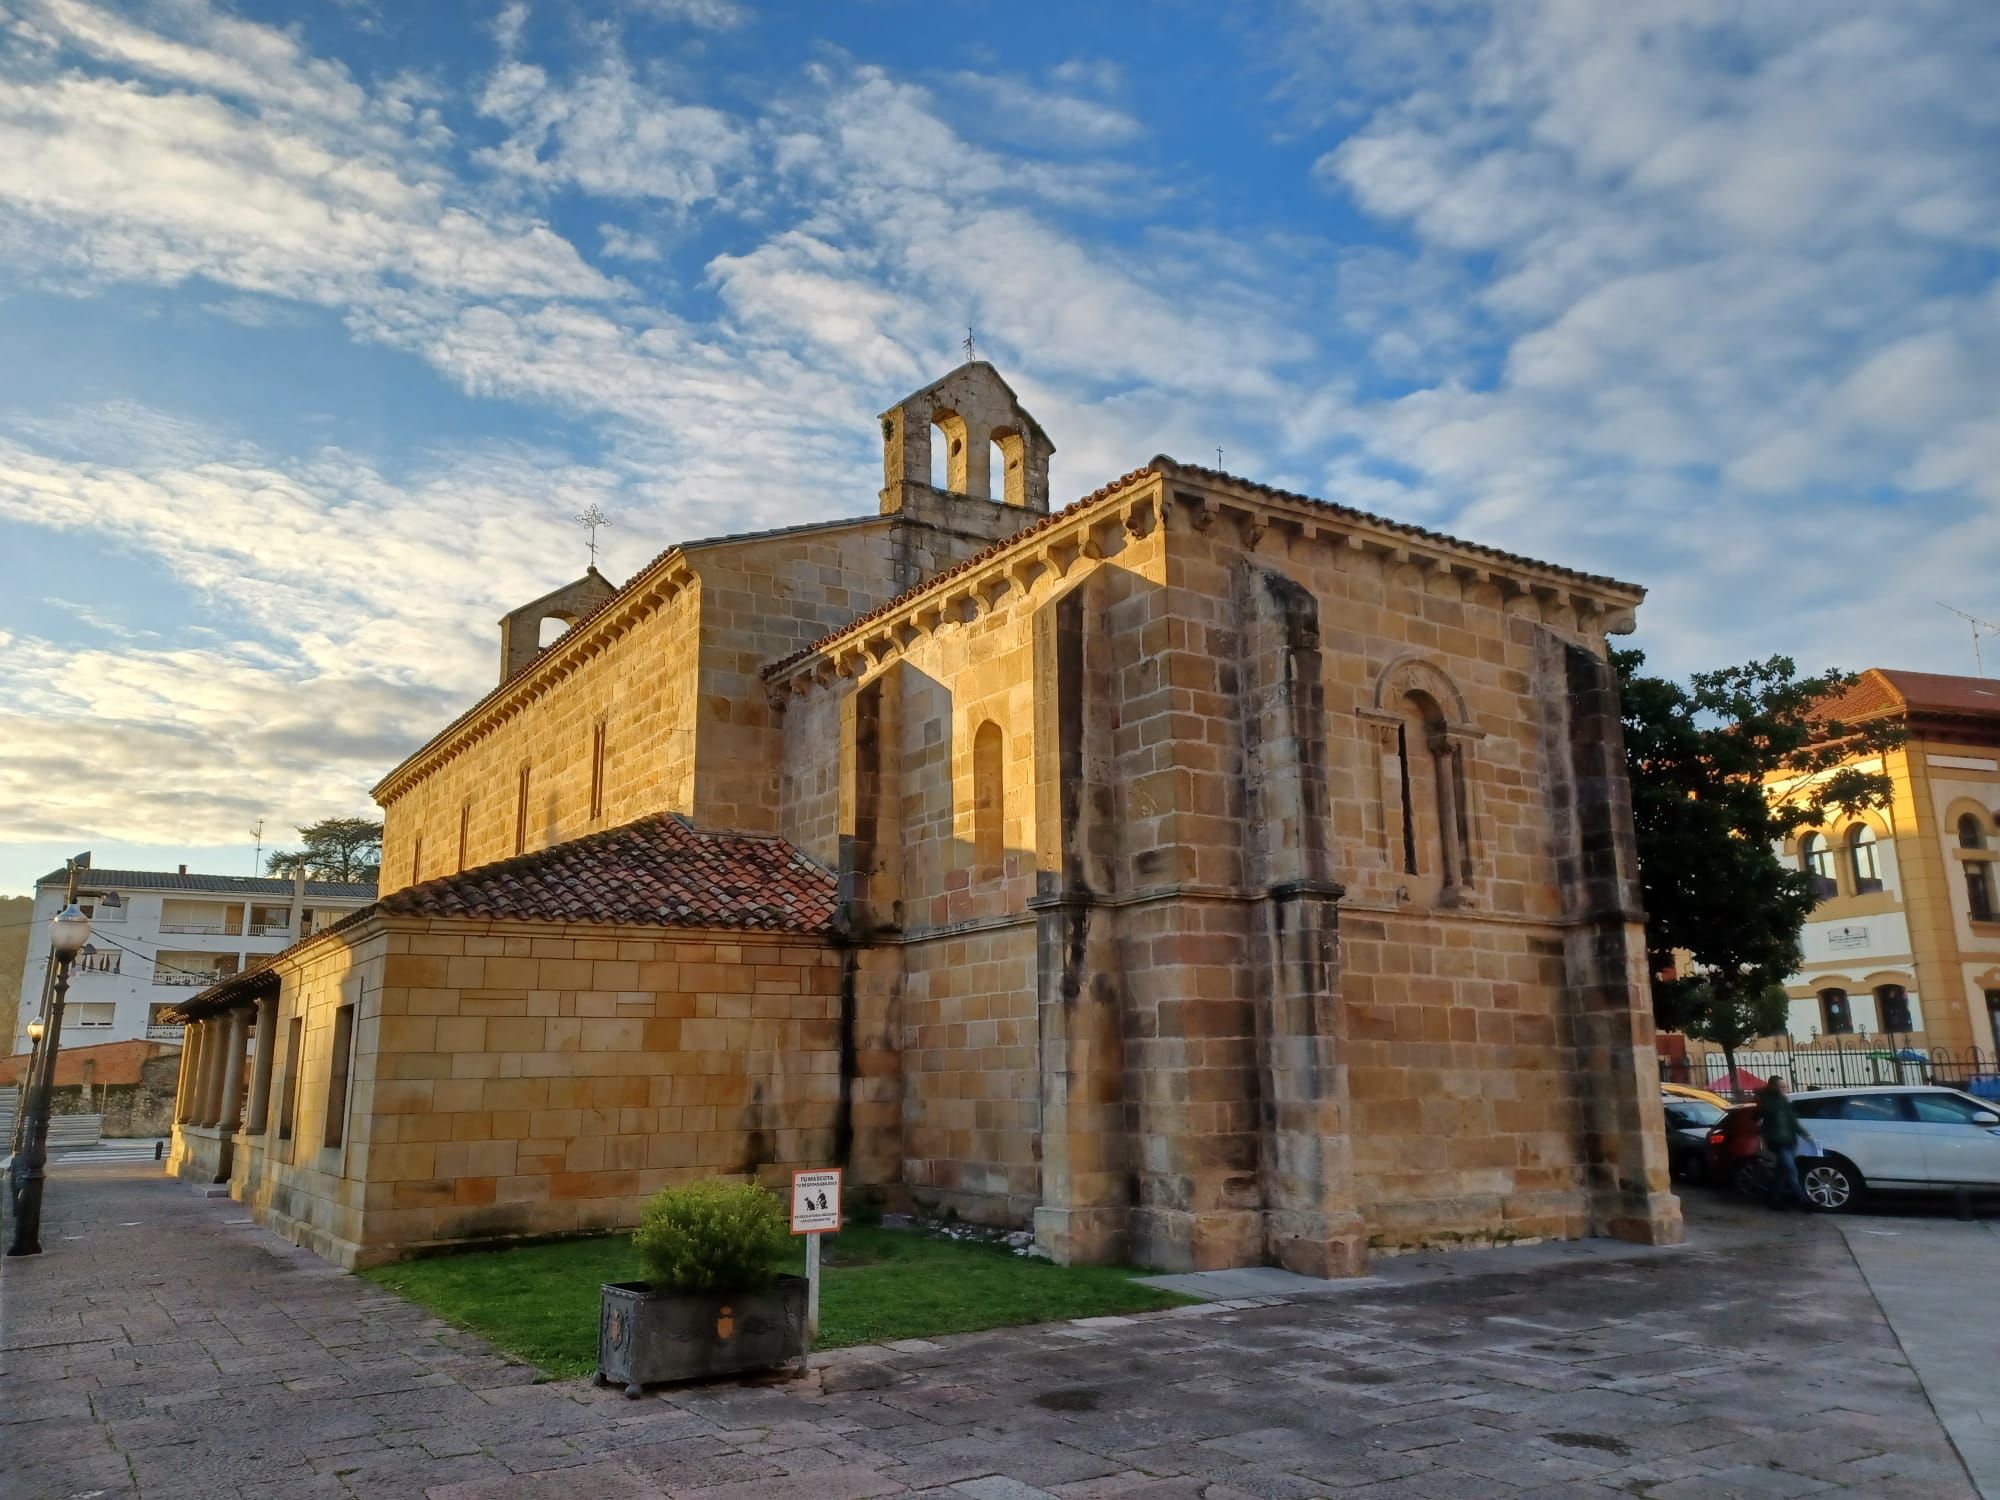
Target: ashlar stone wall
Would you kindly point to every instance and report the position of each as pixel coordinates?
(529, 1079)
(1314, 927)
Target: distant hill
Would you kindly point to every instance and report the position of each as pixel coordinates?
(15, 914)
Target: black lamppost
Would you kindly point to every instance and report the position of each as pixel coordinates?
(69, 930)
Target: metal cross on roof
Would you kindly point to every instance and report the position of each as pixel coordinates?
(970, 352)
(590, 520)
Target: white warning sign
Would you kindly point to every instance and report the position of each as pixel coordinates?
(816, 1201)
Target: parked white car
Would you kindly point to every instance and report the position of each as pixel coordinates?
(1896, 1139)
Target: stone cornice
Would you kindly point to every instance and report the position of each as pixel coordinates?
(661, 580)
(1197, 499)
(665, 580)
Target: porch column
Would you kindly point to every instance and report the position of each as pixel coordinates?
(190, 1087)
(211, 1072)
(234, 1037)
(260, 1074)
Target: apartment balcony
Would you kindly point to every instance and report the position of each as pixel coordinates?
(202, 929)
(265, 929)
(161, 1031)
(182, 980)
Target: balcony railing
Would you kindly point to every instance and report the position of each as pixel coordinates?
(162, 1031)
(184, 980)
(99, 963)
(202, 929)
(265, 929)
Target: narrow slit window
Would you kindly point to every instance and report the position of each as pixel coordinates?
(338, 1064)
(988, 800)
(288, 1112)
(417, 860)
(464, 826)
(521, 814)
(1409, 802)
(597, 771)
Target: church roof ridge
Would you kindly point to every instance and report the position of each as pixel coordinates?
(519, 680)
(1165, 467)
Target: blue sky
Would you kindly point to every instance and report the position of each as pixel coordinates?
(319, 322)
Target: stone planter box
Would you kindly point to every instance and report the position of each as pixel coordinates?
(647, 1338)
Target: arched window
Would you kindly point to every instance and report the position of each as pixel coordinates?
(989, 801)
(552, 629)
(1419, 725)
(1816, 859)
(1864, 859)
(1892, 1006)
(1970, 834)
(1835, 1019)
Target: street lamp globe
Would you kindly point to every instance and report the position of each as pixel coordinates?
(69, 930)
(35, 1029)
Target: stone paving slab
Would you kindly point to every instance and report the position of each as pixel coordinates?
(164, 1347)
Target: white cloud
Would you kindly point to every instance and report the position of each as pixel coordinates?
(708, 15)
(611, 135)
(1011, 108)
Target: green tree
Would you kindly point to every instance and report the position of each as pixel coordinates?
(345, 849)
(1724, 769)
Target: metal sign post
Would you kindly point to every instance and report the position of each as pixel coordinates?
(815, 1211)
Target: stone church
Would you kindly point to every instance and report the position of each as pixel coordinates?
(1202, 874)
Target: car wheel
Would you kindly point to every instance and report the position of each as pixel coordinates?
(1831, 1185)
(1751, 1177)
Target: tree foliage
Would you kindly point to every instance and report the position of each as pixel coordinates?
(1724, 769)
(344, 849)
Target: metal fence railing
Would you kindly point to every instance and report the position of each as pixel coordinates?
(1846, 1064)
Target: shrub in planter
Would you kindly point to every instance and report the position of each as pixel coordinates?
(713, 1302)
(712, 1237)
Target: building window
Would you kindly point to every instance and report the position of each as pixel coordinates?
(1892, 1005)
(1834, 1017)
(1864, 860)
(597, 771)
(1978, 890)
(338, 1062)
(417, 860)
(989, 800)
(92, 1017)
(288, 1112)
(1970, 835)
(464, 826)
(1816, 859)
(521, 813)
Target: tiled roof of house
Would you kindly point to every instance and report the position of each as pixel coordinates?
(217, 885)
(1881, 692)
(109, 1063)
(656, 872)
(1167, 467)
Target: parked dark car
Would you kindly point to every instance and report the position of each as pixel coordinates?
(1688, 1124)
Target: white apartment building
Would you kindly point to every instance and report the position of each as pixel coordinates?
(157, 936)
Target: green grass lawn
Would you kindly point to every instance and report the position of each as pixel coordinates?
(540, 1301)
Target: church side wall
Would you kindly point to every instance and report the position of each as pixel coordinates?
(640, 689)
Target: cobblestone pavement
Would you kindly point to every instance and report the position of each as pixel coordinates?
(163, 1346)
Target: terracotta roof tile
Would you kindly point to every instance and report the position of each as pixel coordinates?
(656, 872)
(1881, 692)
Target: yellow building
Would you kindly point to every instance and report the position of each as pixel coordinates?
(1203, 874)
(1905, 941)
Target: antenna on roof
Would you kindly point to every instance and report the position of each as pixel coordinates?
(966, 344)
(1979, 627)
(257, 860)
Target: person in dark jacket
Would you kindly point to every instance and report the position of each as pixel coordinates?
(1778, 1124)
